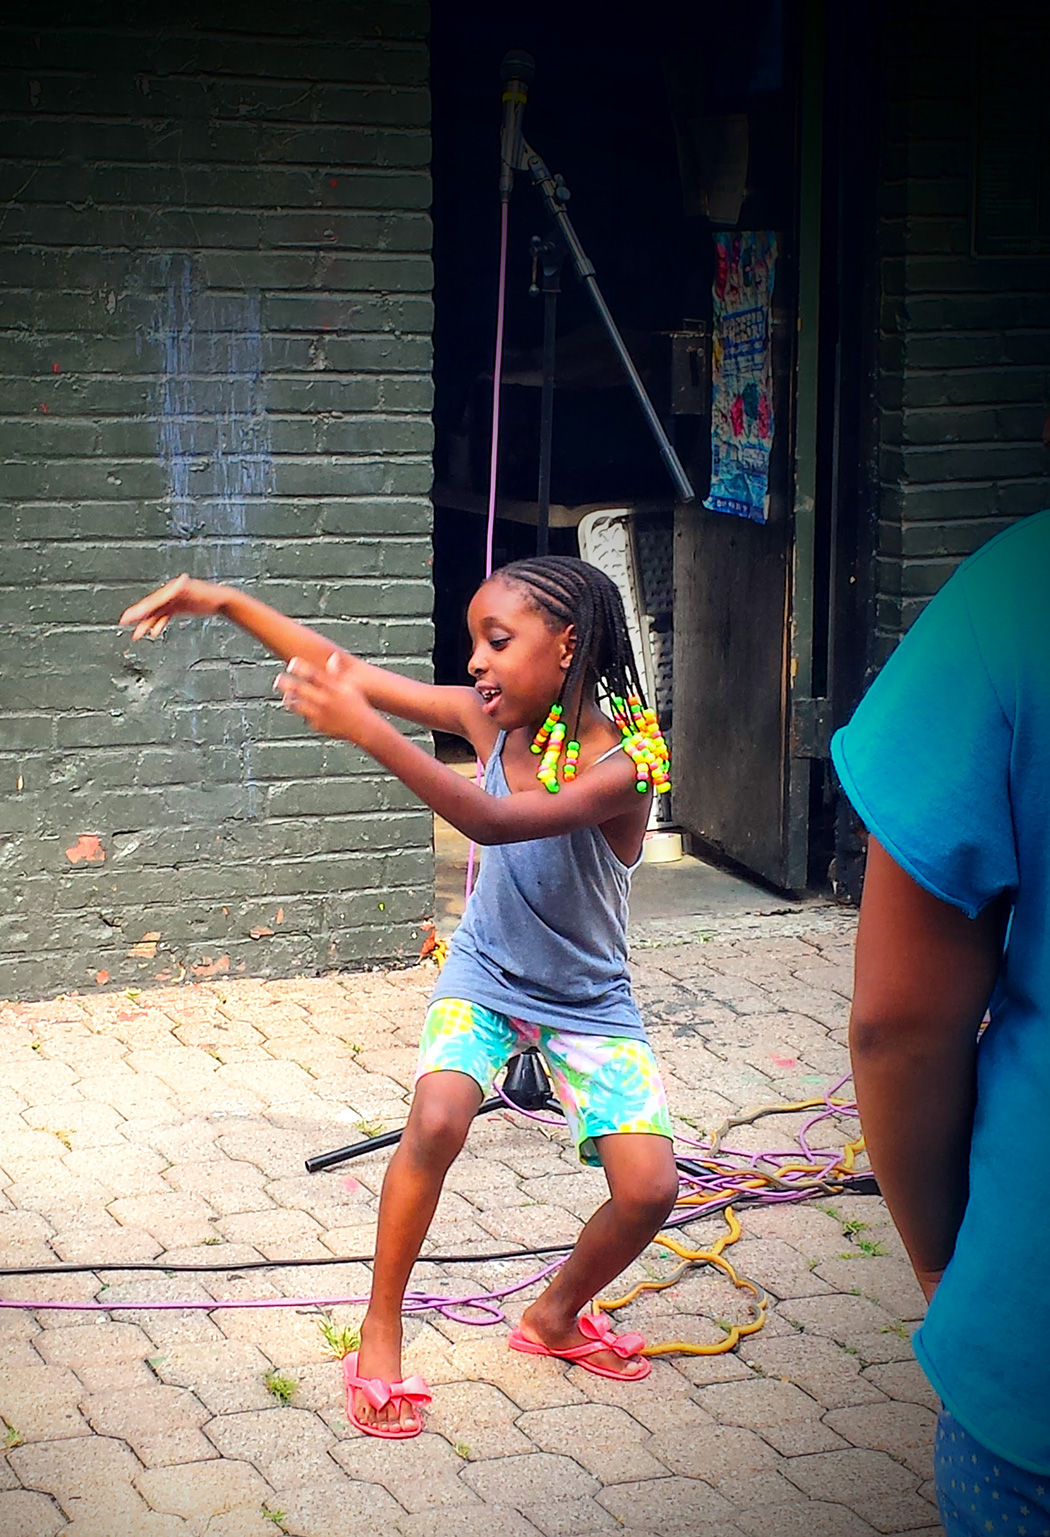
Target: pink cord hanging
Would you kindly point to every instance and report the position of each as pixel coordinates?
(497, 375)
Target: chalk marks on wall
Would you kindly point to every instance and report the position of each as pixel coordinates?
(213, 440)
(214, 433)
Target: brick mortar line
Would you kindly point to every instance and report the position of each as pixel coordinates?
(278, 376)
(314, 457)
(316, 165)
(399, 499)
(954, 485)
(320, 414)
(154, 122)
(215, 77)
(258, 171)
(191, 34)
(277, 543)
(272, 334)
(983, 333)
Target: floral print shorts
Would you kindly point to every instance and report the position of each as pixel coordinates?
(605, 1084)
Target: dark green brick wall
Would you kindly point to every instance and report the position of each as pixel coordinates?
(965, 343)
(215, 322)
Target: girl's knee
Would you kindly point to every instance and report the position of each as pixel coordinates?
(437, 1129)
(649, 1202)
(665, 1193)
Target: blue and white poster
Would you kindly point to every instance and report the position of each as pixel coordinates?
(742, 373)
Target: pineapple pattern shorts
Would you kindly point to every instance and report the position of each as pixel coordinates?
(605, 1084)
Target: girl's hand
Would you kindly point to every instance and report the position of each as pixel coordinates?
(326, 698)
(185, 595)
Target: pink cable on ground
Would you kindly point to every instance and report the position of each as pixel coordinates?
(497, 377)
(485, 1304)
(484, 1307)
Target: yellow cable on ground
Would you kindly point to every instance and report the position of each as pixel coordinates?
(690, 1257)
(752, 1179)
(763, 1110)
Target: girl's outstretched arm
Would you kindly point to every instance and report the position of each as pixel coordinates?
(186, 595)
(439, 707)
(330, 701)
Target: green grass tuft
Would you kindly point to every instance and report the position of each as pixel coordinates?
(340, 1341)
(283, 1388)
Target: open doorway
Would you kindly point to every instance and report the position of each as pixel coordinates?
(664, 132)
(599, 113)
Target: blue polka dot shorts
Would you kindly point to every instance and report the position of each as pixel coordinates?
(979, 1493)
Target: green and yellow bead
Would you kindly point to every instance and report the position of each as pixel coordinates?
(547, 773)
(539, 741)
(643, 743)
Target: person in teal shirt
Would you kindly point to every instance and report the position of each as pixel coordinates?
(947, 763)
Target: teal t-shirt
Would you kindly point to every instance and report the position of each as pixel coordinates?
(947, 761)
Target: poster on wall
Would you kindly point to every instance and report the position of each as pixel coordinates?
(742, 373)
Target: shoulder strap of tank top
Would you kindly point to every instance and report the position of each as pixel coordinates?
(494, 764)
(609, 754)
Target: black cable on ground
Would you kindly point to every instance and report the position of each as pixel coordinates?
(862, 1184)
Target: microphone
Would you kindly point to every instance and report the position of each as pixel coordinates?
(516, 72)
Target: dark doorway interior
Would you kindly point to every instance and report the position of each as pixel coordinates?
(641, 122)
(603, 111)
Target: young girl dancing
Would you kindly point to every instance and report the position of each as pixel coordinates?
(539, 958)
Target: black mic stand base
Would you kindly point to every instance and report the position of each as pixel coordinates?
(525, 1084)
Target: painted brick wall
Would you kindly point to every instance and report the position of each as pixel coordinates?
(215, 322)
(965, 345)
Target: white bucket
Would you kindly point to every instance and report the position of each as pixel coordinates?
(661, 847)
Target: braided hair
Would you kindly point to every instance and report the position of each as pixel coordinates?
(570, 591)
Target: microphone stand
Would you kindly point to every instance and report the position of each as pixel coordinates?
(550, 253)
(525, 1084)
(556, 194)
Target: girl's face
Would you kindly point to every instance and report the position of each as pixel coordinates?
(518, 663)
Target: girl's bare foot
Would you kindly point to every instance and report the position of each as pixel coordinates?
(546, 1327)
(380, 1356)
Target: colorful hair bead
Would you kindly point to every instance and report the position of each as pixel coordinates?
(641, 739)
(539, 741)
(643, 743)
(547, 774)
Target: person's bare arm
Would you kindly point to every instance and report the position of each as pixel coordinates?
(331, 702)
(924, 975)
(437, 706)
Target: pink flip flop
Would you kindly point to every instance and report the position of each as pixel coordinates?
(379, 1393)
(599, 1332)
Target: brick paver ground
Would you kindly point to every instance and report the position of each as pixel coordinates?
(172, 1124)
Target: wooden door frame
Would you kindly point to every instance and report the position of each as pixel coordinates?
(836, 444)
(804, 713)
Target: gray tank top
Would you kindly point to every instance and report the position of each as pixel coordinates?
(544, 934)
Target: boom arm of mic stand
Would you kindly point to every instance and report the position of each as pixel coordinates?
(323, 1161)
(549, 189)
